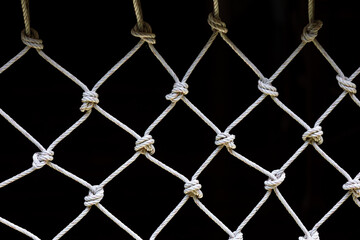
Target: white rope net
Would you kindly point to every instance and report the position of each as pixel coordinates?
(144, 143)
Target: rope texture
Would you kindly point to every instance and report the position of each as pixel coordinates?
(145, 145)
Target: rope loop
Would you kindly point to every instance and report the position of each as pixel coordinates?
(265, 87)
(237, 236)
(271, 184)
(311, 30)
(144, 32)
(354, 187)
(180, 89)
(192, 189)
(225, 139)
(33, 40)
(314, 236)
(346, 85)
(145, 144)
(313, 135)
(216, 24)
(96, 194)
(89, 100)
(40, 159)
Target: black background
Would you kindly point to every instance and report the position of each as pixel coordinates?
(88, 38)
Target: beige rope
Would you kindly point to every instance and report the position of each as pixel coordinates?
(144, 144)
(142, 29)
(26, 14)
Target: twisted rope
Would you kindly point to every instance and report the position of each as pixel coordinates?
(145, 145)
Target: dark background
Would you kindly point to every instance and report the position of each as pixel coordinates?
(88, 38)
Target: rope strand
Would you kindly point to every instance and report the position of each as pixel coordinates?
(144, 144)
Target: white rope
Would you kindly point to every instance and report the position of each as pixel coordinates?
(145, 144)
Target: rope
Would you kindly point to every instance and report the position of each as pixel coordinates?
(223, 139)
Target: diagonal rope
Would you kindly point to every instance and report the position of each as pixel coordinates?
(145, 144)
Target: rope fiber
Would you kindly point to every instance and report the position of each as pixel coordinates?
(144, 144)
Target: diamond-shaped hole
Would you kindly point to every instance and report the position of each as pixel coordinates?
(268, 135)
(17, 151)
(216, 87)
(96, 149)
(40, 98)
(179, 25)
(89, 45)
(143, 195)
(137, 97)
(183, 140)
(308, 85)
(341, 130)
(231, 188)
(35, 199)
(346, 17)
(192, 223)
(342, 220)
(275, 222)
(268, 39)
(312, 187)
(96, 226)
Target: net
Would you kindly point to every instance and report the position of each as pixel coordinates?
(224, 139)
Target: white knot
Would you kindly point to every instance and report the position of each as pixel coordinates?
(180, 89)
(32, 40)
(314, 236)
(313, 135)
(225, 139)
(144, 32)
(310, 31)
(265, 87)
(40, 159)
(271, 184)
(354, 187)
(192, 189)
(346, 85)
(237, 236)
(145, 144)
(96, 193)
(90, 99)
(216, 24)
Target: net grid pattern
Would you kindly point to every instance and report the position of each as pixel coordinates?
(145, 144)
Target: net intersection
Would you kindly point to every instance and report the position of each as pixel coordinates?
(144, 144)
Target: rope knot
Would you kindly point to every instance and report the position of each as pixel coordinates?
(40, 159)
(32, 40)
(216, 24)
(354, 187)
(225, 139)
(96, 194)
(310, 31)
(313, 135)
(271, 184)
(237, 236)
(192, 189)
(346, 85)
(145, 144)
(144, 32)
(180, 89)
(264, 85)
(314, 236)
(89, 100)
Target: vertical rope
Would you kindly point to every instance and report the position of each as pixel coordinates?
(224, 140)
(142, 29)
(216, 8)
(138, 13)
(26, 14)
(311, 10)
